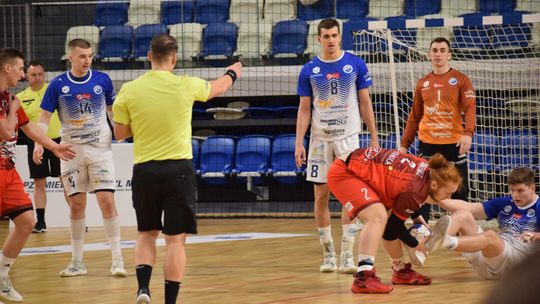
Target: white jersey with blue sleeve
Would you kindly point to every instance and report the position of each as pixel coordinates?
(333, 87)
(82, 106)
(514, 220)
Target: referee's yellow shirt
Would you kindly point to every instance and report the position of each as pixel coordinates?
(158, 107)
(31, 101)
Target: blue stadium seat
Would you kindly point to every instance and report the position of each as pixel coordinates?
(472, 37)
(286, 112)
(252, 158)
(173, 12)
(481, 156)
(211, 11)
(109, 12)
(289, 37)
(496, 6)
(418, 8)
(143, 36)
(283, 168)
(518, 148)
(364, 139)
(407, 36)
(360, 43)
(196, 148)
(217, 159)
(352, 9)
(390, 143)
(511, 36)
(259, 112)
(320, 10)
(115, 43)
(219, 39)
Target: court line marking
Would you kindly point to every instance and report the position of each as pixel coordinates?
(196, 239)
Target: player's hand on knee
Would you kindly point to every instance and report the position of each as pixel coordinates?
(37, 155)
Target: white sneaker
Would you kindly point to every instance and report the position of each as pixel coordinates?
(346, 262)
(416, 257)
(7, 291)
(117, 267)
(73, 269)
(438, 233)
(329, 258)
(143, 297)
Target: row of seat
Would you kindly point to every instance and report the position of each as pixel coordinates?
(257, 158)
(138, 12)
(292, 37)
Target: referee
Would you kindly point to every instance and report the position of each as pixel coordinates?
(156, 110)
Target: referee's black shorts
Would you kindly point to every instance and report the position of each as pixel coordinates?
(165, 187)
(50, 165)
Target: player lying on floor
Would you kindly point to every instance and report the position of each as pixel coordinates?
(492, 253)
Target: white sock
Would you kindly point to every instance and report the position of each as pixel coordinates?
(397, 264)
(5, 265)
(450, 242)
(112, 229)
(365, 262)
(349, 230)
(78, 231)
(325, 234)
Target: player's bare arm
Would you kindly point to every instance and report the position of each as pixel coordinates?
(43, 124)
(366, 112)
(63, 151)
(302, 124)
(223, 83)
(476, 209)
(7, 125)
(121, 131)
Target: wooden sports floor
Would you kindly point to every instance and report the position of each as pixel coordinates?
(264, 271)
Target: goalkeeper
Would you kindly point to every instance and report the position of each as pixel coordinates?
(440, 99)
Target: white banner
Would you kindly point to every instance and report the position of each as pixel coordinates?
(57, 211)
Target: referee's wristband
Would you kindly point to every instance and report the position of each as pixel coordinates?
(232, 74)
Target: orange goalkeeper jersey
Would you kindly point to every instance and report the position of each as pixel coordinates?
(439, 101)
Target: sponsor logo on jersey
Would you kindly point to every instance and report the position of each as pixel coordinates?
(507, 208)
(65, 89)
(332, 76)
(83, 96)
(316, 70)
(391, 157)
(98, 89)
(432, 110)
(349, 206)
(334, 132)
(421, 170)
(440, 134)
(531, 213)
(347, 69)
(371, 152)
(470, 94)
(325, 104)
(426, 84)
(439, 125)
(452, 81)
(438, 85)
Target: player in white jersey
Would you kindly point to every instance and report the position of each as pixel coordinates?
(83, 98)
(333, 90)
(490, 253)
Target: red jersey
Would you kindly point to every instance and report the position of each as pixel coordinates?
(7, 147)
(401, 181)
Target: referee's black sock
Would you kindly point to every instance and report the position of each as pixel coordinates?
(144, 272)
(40, 212)
(171, 291)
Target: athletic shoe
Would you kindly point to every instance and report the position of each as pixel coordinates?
(329, 263)
(117, 267)
(438, 233)
(143, 296)
(346, 262)
(73, 269)
(7, 291)
(417, 257)
(367, 282)
(40, 227)
(407, 276)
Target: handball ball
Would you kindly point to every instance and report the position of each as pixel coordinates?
(419, 231)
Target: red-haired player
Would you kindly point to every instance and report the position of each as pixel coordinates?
(370, 181)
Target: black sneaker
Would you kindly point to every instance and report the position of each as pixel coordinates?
(40, 227)
(143, 296)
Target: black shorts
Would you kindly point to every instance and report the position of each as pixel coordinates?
(50, 165)
(165, 187)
